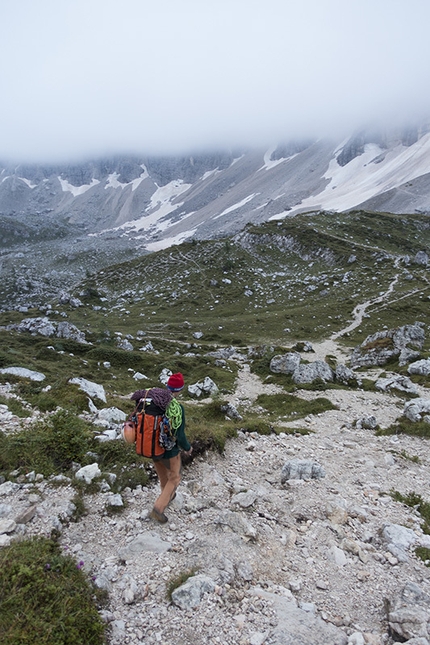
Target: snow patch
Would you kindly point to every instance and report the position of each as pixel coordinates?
(76, 190)
(238, 205)
(361, 179)
(170, 241)
(209, 173)
(27, 182)
(271, 163)
(112, 180)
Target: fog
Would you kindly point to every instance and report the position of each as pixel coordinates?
(93, 77)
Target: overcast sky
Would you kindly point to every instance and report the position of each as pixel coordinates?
(81, 78)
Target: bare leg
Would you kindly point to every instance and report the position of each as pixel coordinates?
(169, 472)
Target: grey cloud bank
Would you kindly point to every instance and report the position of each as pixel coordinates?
(97, 77)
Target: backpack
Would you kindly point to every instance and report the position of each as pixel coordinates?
(154, 433)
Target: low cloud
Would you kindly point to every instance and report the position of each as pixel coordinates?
(159, 76)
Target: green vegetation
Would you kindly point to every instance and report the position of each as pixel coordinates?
(49, 447)
(289, 407)
(404, 426)
(415, 501)
(46, 597)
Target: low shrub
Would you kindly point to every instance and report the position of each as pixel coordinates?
(46, 597)
(404, 426)
(49, 447)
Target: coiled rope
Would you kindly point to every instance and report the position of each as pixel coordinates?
(174, 414)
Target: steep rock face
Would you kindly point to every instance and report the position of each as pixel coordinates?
(217, 193)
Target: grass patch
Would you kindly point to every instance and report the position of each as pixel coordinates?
(15, 406)
(49, 447)
(404, 426)
(414, 500)
(290, 407)
(423, 553)
(207, 427)
(46, 597)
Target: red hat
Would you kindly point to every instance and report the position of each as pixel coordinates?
(175, 382)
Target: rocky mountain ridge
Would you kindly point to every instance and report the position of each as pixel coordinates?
(165, 200)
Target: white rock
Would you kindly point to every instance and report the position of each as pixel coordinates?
(92, 389)
(88, 473)
(24, 373)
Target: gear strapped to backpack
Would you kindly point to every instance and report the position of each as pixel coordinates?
(154, 433)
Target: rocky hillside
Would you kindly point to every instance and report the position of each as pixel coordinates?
(288, 538)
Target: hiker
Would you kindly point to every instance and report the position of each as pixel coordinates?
(168, 466)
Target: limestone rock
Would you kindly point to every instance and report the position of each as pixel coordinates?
(144, 542)
(301, 469)
(409, 613)
(417, 409)
(92, 389)
(189, 595)
(88, 473)
(308, 373)
(422, 368)
(397, 382)
(379, 348)
(285, 363)
(24, 373)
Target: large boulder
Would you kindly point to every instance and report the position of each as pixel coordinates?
(417, 410)
(23, 372)
(383, 346)
(285, 363)
(301, 469)
(421, 368)
(207, 387)
(396, 382)
(310, 372)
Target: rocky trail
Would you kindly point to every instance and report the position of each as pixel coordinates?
(288, 539)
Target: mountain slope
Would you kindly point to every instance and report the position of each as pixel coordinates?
(161, 201)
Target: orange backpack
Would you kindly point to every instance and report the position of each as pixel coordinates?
(148, 434)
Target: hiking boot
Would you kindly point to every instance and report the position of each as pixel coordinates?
(159, 517)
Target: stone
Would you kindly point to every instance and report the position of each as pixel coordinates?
(294, 625)
(396, 382)
(237, 523)
(301, 469)
(207, 386)
(88, 473)
(23, 373)
(27, 515)
(382, 346)
(409, 613)
(244, 499)
(7, 526)
(144, 542)
(189, 594)
(345, 375)
(310, 372)
(92, 389)
(285, 363)
(422, 368)
(368, 423)
(417, 409)
(111, 415)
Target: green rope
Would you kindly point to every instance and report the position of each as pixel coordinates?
(174, 413)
